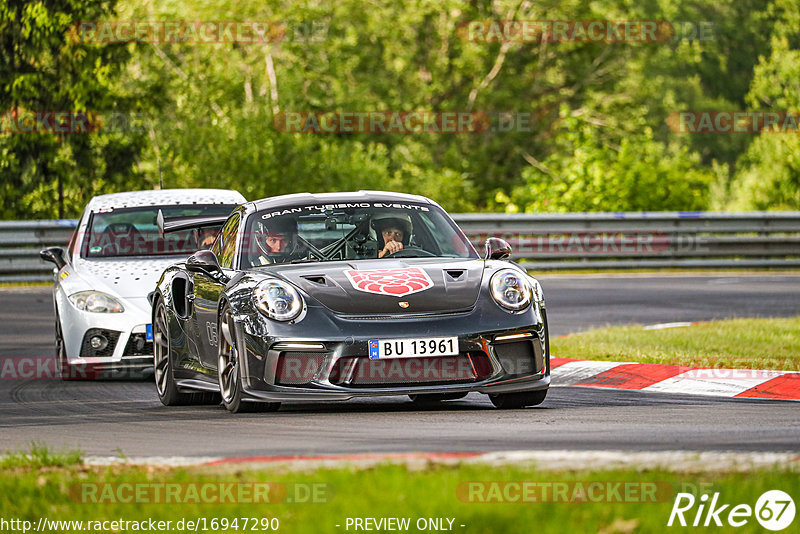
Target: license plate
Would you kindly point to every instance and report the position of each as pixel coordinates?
(412, 347)
(148, 332)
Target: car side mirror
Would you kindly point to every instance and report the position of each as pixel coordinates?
(497, 249)
(54, 255)
(205, 262)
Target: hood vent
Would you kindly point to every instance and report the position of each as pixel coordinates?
(319, 280)
(455, 274)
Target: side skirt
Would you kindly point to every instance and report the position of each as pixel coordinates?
(187, 385)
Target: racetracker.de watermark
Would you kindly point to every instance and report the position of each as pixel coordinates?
(724, 375)
(594, 243)
(583, 31)
(47, 368)
(304, 368)
(405, 122)
(19, 121)
(198, 31)
(578, 491)
(733, 122)
(216, 492)
(597, 242)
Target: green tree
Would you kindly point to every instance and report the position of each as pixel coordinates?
(768, 173)
(43, 69)
(213, 105)
(586, 174)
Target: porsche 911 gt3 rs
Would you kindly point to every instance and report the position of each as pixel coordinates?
(341, 295)
(111, 264)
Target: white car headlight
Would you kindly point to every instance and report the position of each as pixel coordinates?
(278, 300)
(95, 302)
(511, 289)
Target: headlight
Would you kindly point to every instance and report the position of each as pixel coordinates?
(278, 300)
(511, 289)
(95, 302)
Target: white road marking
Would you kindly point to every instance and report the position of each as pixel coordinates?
(169, 461)
(573, 372)
(543, 459)
(662, 326)
(670, 460)
(714, 382)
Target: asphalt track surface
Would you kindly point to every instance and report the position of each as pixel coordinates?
(112, 417)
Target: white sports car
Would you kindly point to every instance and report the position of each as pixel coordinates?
(104, 276)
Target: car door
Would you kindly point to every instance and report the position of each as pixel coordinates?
(207, 291)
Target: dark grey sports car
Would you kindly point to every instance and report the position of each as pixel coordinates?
(341, 295)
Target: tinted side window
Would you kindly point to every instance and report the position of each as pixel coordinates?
(226, 244)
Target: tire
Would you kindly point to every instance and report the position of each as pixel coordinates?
(228, 370)
(510, 401)
(63, 368)
(163, 363)
(434, 398)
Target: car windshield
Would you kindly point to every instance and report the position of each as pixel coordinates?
(133, 231)
(351, 231)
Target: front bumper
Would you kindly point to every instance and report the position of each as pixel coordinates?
(511, 357)
(127, 351)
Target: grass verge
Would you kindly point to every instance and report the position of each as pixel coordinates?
(25, 285)
(733, 343)
(40, 456)
(317, 501)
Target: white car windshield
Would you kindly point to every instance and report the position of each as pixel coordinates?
(133, 231)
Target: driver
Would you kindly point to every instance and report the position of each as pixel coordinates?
(206, 237)
(275, 240)
(393, 234)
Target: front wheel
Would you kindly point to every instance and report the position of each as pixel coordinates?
(163, 373)
(508, 401)
(229, 370)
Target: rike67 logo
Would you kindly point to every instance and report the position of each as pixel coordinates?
(774, 510)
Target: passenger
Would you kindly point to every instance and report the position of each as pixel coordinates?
(393, 234)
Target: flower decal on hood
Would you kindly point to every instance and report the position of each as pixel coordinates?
(392, 282)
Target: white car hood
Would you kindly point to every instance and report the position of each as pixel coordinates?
(127, 278)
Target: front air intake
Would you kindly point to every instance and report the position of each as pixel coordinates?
(361, 371)
(298, 368)
(138, 346)
(520, 357)
(99, 342)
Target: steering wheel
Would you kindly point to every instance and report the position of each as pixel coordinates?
(124, 237)
(121, 228)
(410, 252)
